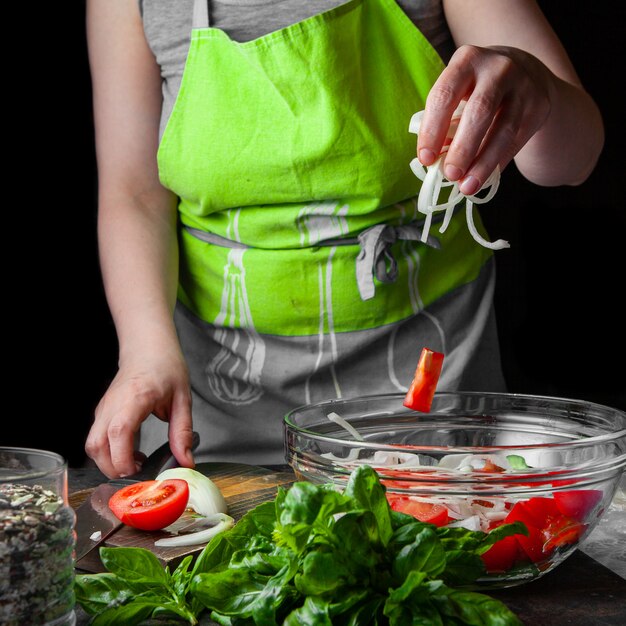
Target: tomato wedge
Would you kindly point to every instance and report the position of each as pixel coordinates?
(422, 390)
(428, 512)
(577, 503)
(547, 527)
(501, 556)
(151, 504)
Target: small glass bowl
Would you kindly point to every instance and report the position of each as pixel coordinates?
(468, 454)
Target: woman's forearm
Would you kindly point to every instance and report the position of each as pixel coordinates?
(138, 252)
(566, 148)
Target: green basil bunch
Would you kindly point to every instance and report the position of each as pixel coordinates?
(312, 557)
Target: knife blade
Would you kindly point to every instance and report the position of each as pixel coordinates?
(95, 521)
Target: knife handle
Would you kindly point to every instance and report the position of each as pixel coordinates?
(160, 460)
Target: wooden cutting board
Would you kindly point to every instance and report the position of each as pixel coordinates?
(243, 486)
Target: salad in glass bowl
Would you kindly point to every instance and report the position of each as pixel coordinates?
(476, 461)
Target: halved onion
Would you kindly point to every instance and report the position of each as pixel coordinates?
(205, 498)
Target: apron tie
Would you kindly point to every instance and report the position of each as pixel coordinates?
(375, 258)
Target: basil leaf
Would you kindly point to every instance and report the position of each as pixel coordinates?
(365, 488)
(231, 592)
(257, 523)
(96, 592)
(129, 614)
(357, 537)
(425, 555)
(368, 613)
(516, 461)
(181, 576)
(500, 532)
(411, 602)
(462, 568)
(307, 511)
(314, 612)
(322, 572)
(476, 609)
(134, 565)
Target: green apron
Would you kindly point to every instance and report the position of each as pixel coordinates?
(299, 237)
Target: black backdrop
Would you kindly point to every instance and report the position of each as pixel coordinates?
(560, 287)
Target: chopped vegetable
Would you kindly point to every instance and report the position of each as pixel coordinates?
(150, 504)
(422, 390)
(205, 498)
(218, 522)
(428, 512)
(548, 528)
(333, 417)
(577, 504)
(517, 462)
(434, 181)
(501, 557)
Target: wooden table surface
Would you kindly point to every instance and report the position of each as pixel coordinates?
(580, 592)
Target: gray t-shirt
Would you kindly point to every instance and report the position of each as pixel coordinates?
(167, 25)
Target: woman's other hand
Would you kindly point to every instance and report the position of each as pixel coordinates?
(155, 384)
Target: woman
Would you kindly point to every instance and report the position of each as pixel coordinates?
(267, 186)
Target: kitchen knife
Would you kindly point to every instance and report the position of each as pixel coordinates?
(95, 521)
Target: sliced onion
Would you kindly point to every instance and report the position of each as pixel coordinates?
(205, 498)
(219, 523)
(499, 244)
(333, 417)
(470, 523)
(433, 181)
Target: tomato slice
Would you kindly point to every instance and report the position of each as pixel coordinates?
(422, 390)
(151, 504)
(578, 503)
(428, 512)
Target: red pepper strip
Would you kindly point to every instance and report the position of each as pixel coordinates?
(422, 390)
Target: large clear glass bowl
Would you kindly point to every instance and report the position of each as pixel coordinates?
(469, 451)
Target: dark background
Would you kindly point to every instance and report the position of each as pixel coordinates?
(561, 285)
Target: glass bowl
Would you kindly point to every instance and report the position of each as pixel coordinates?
(477, 460)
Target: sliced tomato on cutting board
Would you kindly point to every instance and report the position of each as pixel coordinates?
(150, 504)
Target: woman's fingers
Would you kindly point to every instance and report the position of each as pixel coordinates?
(443, 99)
(505, 104)
(162, 390)
(110, 442)
(181, 430)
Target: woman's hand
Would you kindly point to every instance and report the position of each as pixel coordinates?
(524, 99)
(508, 99)
(156, 384)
